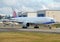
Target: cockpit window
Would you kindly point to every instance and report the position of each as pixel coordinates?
(52, 20)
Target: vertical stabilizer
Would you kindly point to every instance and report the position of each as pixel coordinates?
(14, 13)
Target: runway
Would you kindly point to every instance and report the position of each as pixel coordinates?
(30, 30)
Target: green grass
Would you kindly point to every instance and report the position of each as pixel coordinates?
(28, 37)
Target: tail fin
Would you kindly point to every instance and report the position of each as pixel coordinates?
(14, 13)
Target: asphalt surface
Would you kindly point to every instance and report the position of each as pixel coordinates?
(30, 30)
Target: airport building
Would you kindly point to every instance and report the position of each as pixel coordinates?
(40, 13)
(27, 14)
(43, 13)
(31, 14)
(54, 14)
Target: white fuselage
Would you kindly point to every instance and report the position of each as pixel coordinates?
(36, 20)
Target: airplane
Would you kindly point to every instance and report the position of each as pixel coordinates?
(26, 21)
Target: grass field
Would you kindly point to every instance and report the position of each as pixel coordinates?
(28, 37)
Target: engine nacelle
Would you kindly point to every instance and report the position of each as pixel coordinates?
(26, 24)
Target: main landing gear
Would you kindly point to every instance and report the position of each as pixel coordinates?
(49, 26)
(36, 26)
(24, 27)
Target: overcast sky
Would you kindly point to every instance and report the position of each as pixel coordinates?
(27, 5)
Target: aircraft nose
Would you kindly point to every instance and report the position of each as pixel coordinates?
(53, 21)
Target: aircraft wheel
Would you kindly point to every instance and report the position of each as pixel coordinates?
(49, 26)
(36, 26)
(24, 27)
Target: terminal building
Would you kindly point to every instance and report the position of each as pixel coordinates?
(42, 13)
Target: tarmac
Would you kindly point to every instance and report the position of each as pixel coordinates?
(56, 30)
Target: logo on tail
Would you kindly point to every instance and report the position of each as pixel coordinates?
(14, 13)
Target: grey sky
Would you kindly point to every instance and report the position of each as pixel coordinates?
(27, 5)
